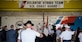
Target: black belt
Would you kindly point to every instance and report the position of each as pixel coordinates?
(66, 40)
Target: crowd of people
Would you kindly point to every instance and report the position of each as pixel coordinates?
(43, 33)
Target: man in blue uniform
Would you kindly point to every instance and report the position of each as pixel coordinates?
(11, 34)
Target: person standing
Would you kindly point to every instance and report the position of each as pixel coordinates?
(28, 35)
(45, 32)
(39, 28)
(21, 28)
(50, 33)
(4, 30)
(58, 32)
(0, 34)
(11, 35)
(54, 35)
(66, 35)
(50, 30)
(80, 36)
(50, 27)
(76, 35)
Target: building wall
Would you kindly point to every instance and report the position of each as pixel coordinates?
(9, 18)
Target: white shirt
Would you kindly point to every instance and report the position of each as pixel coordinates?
(58, 33)
(20, 31)
(59, 26)
(66, 35)
(50, 27)
(46, 31)
(39, 28)
(28, 35)
(51, 32)
(80, 37)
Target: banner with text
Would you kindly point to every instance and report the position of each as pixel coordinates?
(41, 4)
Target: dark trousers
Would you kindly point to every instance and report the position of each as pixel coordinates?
(66, 40)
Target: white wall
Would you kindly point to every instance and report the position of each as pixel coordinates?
(9, 20)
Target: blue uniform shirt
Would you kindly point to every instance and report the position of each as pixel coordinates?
(11, 35)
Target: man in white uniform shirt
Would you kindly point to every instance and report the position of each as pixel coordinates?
(39, 28)
(66, 35)
(46, 31)
(50, 29)
(80, 36)
(20, 29)
(29, 34)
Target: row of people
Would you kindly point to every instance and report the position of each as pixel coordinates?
(43, 34)
(65, 34)
(48, 32)
(8, 35)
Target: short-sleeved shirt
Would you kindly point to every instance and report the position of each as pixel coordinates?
(39, 28)
(66, 35)
(58, 32)
(28, 35)
(50, 27)
(46, 31)
(80, 37)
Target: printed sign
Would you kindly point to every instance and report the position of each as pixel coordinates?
(41, 3)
